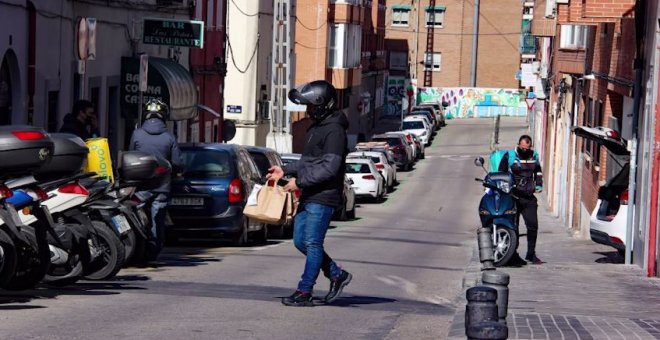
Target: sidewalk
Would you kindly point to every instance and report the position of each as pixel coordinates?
(582, 292)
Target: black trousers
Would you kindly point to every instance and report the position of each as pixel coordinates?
(527, 207)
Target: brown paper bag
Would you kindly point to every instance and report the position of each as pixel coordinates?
(271, 205)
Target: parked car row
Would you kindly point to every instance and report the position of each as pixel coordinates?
(209, 194)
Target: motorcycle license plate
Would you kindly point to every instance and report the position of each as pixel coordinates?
(121, 224)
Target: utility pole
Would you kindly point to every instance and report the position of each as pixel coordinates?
(415, 63)
(279, 136)
(475, 43)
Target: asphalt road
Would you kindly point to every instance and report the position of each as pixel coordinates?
(407, 256)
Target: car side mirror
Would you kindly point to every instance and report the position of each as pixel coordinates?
(479, 161)
(350, 180)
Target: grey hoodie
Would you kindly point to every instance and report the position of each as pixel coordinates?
(154, 138)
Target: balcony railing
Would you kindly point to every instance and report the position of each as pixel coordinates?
(528, 44)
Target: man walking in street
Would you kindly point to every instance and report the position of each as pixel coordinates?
(82, 121)
(319, 174)
(154, 138)
(524, 165)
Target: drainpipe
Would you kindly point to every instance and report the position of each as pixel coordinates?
(475, 43)
(640, 9)
(653, 206)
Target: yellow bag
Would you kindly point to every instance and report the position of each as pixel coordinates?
(99, 159)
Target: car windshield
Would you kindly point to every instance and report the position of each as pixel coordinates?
(413, 125)
(392, 141)
(206, 163)
(262, 162)
(357, 168)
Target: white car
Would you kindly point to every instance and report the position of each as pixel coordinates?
(347, 210)
(382, 164)
(419, 127)
(608, 220)
(408, 139)
(367, 181)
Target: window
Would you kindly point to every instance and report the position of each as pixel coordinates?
(573, 36)
(593, 118)
(344, 45)
(206, 163)
(435, 16)
(398, 61)
(432, 61)
(400, 15)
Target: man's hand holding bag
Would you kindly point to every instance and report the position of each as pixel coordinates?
(273, 204)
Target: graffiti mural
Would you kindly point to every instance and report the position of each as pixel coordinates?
(469, 102)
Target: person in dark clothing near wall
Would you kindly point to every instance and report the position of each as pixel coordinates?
(320, 175)
(523, 163)
(154, 138)
(82, 121)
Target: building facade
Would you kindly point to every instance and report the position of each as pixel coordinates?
(42, 71)
(446, 52)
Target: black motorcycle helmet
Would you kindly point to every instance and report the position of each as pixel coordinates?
(319, 94)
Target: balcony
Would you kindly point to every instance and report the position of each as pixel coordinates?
(346, 12)
(574, 42)
(528, 45)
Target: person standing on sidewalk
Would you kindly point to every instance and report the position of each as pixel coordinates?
(82, 121)
(154, 138)
(523, 163)
(319, 174)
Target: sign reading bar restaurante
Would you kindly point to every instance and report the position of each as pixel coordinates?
(185, 33)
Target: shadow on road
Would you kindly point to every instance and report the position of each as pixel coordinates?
(610, 257)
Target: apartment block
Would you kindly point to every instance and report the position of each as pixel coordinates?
(446, 52)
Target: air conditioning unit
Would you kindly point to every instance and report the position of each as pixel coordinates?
(550, 9)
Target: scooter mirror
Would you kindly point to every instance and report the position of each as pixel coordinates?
(479, 161)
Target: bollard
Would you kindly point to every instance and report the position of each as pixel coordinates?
(486, 252)
(481, 306)
(487, 330)
(499, 281)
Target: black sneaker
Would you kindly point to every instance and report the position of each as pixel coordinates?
(298, 299)
(533, 259)
(337, 285)
(516, 261)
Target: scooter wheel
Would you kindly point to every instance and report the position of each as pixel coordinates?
(7, 258)
(113, 253)
(33, 261)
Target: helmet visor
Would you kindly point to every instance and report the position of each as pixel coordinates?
(154, 107)
(305, 95)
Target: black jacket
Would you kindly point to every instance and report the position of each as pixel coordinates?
(527, 173)
(320, 171)
(154, 138)
(78, 128)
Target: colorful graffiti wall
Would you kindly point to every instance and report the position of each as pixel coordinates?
(469, 102)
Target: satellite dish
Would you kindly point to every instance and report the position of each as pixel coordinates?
(228, 130)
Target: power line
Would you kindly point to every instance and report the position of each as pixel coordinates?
(311, 29)
(231, 53)
(242, 11)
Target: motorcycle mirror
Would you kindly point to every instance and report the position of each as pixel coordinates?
(479, 161)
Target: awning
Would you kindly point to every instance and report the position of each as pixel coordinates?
(401, 7)
(181, 88)
(167, 81)
(436, 8)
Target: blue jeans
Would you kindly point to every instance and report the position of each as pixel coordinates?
(158, 220)
(310, 226)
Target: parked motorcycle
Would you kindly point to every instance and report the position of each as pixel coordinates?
(497, 211)
(24, 256)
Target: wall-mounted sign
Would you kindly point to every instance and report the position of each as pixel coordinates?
(234, 109)
(169, 32)
(130, 86)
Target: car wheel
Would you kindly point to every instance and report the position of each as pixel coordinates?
(351, 214)
(261, 236)
(276, 231)
(241, 239)
(342, 212)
